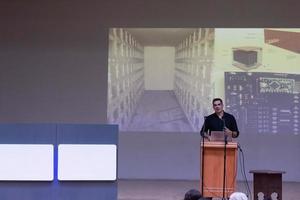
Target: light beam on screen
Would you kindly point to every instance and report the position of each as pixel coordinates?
(163, 79)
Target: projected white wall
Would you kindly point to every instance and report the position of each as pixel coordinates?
(163, 79)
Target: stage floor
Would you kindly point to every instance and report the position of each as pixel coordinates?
(175, 190)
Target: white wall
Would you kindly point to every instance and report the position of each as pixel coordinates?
(159, 68)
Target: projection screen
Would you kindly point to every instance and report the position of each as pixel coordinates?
(164, 79)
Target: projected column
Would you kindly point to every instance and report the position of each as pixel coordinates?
(193, 66)
(125, 76)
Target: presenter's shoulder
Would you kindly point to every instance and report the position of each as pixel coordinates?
(228, 114)
(212, 115)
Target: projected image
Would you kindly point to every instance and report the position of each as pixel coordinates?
(264, 102)
(159, 79)
(163, 79)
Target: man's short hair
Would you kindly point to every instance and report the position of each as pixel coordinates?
(217, 99)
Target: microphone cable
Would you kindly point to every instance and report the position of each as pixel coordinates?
(242, 164)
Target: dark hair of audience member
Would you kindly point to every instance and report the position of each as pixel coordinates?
(192, 195)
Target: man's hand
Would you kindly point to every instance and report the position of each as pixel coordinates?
(230, 133)
(227, 131)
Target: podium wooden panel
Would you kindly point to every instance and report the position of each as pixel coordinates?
(213, 169)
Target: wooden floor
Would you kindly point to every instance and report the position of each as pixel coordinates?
(175, 190)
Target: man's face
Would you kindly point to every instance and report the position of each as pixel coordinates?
(218, 106)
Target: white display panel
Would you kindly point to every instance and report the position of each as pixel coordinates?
(87, 162)
(26, 162)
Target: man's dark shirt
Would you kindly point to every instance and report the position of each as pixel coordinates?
(214, 123)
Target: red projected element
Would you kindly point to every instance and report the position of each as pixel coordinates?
(283, 39)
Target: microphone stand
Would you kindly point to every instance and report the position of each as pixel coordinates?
(225, 152)
(202, 132)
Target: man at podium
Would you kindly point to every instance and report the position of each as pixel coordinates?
(219, 155)
(220, 121)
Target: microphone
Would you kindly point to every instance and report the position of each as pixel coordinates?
(224, 126)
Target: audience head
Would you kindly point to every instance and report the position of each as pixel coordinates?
(238, 196)
(192, 195)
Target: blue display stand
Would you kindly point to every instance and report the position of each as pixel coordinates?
(58, 134)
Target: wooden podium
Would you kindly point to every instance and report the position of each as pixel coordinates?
(213, 168)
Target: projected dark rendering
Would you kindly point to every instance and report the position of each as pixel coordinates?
(163, 79)
(264, 103)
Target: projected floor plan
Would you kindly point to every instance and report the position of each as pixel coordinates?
(264, 102)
